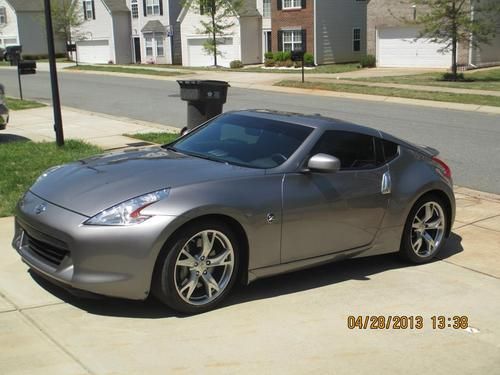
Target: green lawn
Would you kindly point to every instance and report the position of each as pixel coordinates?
(160, 138)
(121, 69)
(23, 161)
(18, 104)
(474, 80)
(395, 92)
(332, 68)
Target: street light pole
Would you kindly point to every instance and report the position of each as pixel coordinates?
(56, 102)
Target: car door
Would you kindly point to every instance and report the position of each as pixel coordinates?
(325, 213)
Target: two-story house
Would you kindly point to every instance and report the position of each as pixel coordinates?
(241, 42)
(333, 30)
(104, 35)
(22, 23)
(155, 31)
(392, 38)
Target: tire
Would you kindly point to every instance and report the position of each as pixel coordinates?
(425, 230)
(187, 278)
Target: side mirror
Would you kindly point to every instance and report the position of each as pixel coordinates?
(324, 163)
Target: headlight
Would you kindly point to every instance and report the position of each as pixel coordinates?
(128, 212)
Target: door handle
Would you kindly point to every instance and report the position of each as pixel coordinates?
(386, 183)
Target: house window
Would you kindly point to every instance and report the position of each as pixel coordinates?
(135, 9)
(3, 16)
(266, 9)
(160, 51)
(149, 44)
(153, 7)
(292, 40)
(88, 9)
(290, 4)
(356, 39)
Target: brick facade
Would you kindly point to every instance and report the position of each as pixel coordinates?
(300, 19)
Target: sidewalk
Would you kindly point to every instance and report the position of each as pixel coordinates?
(99, 129)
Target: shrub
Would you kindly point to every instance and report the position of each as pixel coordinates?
(288, 63)
(308, 59)
(269, 55)
(236, 64)
(298, 64)
(368, 61)
(450, 77)
(282, 56)
(269, 63)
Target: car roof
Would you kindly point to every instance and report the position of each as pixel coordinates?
(315, 121)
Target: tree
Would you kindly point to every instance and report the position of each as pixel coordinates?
(453, 22)
(221, 15)
(66, 18)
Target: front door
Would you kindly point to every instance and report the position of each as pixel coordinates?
(137, 50)
(325, 213)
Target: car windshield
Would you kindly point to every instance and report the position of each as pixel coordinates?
(244, 140)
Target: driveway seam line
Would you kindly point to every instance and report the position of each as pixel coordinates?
(467, 268)
(54, 341)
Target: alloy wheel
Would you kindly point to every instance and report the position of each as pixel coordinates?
(204, 267)
(427, 230)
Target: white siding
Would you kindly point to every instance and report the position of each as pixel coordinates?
(100, 29)
(8, 30)
(189, 31)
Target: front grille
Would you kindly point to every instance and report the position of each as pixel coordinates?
(52, 254)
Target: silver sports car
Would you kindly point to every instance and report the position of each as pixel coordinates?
(246, 195)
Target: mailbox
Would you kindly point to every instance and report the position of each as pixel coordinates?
(298, 55)
(71, 47)
(26, 67)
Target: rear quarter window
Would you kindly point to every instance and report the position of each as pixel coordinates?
(390, 149)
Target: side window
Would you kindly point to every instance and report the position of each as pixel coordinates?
(354, 150)
(391, 150)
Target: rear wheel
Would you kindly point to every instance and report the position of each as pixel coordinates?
(425, 230)
(196, 273)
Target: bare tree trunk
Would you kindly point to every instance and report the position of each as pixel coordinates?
(454, 67)
(214, 34)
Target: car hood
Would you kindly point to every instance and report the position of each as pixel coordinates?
(95, 184)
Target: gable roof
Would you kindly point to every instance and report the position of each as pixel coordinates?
(27, 5)
(153, 27)
(115, 6)
(248, 9)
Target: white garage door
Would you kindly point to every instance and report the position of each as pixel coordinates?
(397, 47)
(198, 56)
(93, 51)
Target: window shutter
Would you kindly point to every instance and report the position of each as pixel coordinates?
(93, 9)
(161, 7)
(144, 8)
(304, 40)
(304, 4)
(280, 40)
(84, 10)
(280, 4)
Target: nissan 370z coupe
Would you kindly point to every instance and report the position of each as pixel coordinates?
(246, 195)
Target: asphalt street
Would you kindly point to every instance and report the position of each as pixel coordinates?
(468, 141)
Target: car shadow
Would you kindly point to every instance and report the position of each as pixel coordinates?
(328, 274)
(6, 138)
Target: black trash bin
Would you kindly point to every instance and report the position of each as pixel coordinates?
(13, 54)
(205, 100)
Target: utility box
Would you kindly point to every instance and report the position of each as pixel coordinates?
(205, 99)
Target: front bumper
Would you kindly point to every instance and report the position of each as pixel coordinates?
(111, 261)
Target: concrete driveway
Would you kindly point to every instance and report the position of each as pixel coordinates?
(291, 324)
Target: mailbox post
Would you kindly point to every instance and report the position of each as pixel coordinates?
(24, 67)
(298, 55)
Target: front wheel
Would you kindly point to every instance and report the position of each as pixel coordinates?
(425, 230)
(199, 269)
